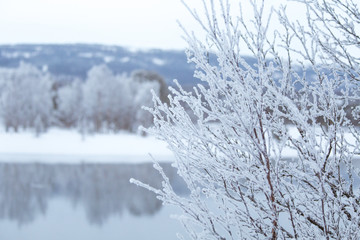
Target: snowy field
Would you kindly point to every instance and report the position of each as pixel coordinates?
(69, 146)
(66, 146)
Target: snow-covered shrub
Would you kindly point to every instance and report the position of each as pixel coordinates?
(272, 152)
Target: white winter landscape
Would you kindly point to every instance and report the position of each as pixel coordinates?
(249, 128)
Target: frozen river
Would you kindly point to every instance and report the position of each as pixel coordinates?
(83, 202)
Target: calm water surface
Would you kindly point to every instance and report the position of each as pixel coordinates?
(84, 201)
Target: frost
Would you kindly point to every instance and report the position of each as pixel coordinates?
(231, 136)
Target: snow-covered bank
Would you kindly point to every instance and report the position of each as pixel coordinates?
(68, 146)
(58, 146)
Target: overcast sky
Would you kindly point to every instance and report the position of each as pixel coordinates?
(130, 23)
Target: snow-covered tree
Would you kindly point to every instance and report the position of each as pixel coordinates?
(106, 100)
(144, 76)
(273, 149)
(26, 98)
(143, 82)
(143, 98)
(95, 95)
(69, 104)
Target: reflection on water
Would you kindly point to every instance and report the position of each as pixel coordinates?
(103, 190)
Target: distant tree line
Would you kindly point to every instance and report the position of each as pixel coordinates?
(33, 99)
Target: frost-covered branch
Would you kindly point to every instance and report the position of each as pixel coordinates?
(268, 148)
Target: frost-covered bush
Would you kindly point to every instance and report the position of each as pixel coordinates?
(272, 153)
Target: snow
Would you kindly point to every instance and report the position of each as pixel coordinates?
(69, 146)
(125, 59)
(86, 55)
(66, 146)
(17, 54)
(108, 59)
(158, 61)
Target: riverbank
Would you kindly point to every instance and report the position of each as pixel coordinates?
(69, 146)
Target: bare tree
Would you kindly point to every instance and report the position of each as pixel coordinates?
(272, 151)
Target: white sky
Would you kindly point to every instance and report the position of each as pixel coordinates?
(130, 23)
